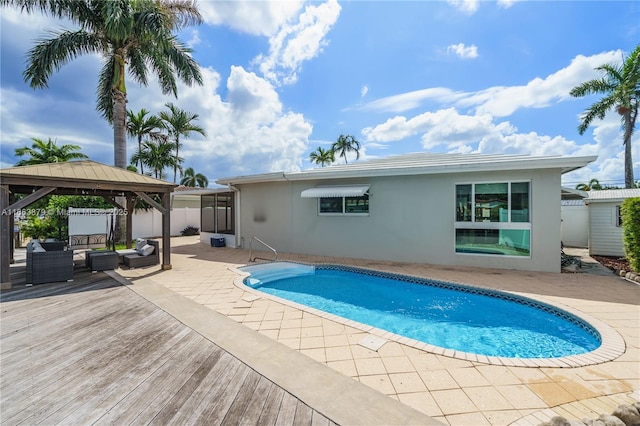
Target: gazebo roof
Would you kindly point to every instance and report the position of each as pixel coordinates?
(85, 174)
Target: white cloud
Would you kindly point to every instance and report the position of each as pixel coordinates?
(501, 101)
(447, 130)
(297, 42)
(247, 133)
(538, 93)
(194, 40)
(462, 51)
(507, 3)
(467, 6)
(262, 18)
(364, 90)
(410, 100)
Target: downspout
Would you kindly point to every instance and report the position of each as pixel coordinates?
(239, 240)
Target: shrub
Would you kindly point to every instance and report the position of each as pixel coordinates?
(190, 230)
(631, 231)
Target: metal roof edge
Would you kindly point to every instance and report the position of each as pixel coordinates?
(356, 170)
(265, 177)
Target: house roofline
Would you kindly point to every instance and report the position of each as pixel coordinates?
(395, 166)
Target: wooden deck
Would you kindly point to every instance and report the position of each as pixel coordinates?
(94, 352)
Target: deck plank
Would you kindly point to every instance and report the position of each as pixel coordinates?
(304, 414)
(253, 410)
(234, 392)
(238, 407)
(287, 412)
(97, 402)
(143, 403)
(205, 367)
(271, 407)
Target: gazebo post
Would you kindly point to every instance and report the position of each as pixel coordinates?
(166, 231)
(12, 226)
(5, 239)
(131, 202)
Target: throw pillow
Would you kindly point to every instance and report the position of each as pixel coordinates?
(140, 242)
(38, 248)
(147, 249)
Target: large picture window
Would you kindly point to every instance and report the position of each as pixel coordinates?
(343, 205)
(493, 218)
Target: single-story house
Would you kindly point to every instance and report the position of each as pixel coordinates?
(477, 210)
(605, 221)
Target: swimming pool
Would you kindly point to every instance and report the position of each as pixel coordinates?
(461, 318)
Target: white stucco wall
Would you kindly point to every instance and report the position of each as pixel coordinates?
(411, 220)
(605, 238)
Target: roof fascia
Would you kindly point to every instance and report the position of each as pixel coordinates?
(563, 164)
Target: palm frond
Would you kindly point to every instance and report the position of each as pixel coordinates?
(117, 16)
(183, 13)
(104, 92)
(49, 54)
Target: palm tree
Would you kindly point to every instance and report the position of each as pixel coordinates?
(345, 144)
(620, 85)
(137, 33)
(139, 126)
(178, 123)
(322, 156)
(593, 184)
(193, 179)
(157, 156)
(48, 152)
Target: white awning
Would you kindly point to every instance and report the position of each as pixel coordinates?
(335, 191)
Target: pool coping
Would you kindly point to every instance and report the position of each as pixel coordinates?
(612, 343)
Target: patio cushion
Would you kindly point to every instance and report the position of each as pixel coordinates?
(140, 242)
(146, 250)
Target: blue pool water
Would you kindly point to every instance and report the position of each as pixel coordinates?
(456, 317)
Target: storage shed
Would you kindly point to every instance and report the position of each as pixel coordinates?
(605, 222)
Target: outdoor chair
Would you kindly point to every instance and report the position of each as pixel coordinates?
(136, 260)
(48, 263)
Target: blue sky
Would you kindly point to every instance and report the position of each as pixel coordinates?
(283, 78)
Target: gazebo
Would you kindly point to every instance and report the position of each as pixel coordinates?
(84, 177)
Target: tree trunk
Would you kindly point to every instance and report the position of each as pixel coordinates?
(119, 91)
(628, 161)
(175, 166)
(120, 129)
(140, 154)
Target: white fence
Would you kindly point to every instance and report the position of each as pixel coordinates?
(149, 223)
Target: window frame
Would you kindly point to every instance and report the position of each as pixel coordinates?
(213, 201)
(472, 224)
(344, 207)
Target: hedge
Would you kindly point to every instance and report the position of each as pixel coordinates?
(631, 231)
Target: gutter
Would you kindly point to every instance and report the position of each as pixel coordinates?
(239, 239)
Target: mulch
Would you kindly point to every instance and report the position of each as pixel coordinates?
(616, 264)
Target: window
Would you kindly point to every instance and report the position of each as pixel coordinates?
(217, 213)
(344, 205)
(493, 218)
(618, 216)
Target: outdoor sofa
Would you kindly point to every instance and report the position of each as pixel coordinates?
(48, 263)
(137, 260)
